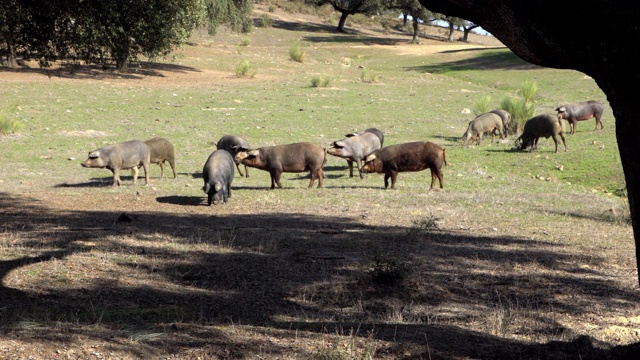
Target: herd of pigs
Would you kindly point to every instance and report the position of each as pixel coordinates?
(365, 148)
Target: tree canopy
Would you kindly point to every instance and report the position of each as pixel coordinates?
(109, 32)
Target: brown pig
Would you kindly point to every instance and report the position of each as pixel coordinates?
(125, 155)
(297, 157)
(161, 150)
(413, 156)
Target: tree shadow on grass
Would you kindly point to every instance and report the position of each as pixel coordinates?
(488, 60)
(134, 71)
(159, 273)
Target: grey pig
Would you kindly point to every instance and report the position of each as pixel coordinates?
(125, 155)
(581, 111)
(218, 173)
(233, 144)
(483, 123)
(355, 148)
(161, 150)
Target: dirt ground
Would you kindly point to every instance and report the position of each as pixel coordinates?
(85, 279)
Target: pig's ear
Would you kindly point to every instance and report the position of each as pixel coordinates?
(94, 154)
(370, 158)
(338, 144)
(242, 148)
(253, 152)
(351, 134)
(561, 109)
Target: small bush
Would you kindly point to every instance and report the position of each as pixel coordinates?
(267, 22)
(320, 81)
(482, 106)
(388, 271)
(297, 53)
(427, 223)
(368, 76)
(245, 69)
(245, 42)
(272, 8)
(521, 109)
(8, 127)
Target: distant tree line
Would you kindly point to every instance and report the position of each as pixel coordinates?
(115, 32)
(109, 32)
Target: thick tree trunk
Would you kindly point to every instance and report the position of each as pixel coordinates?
(404, 19)
(343, 20)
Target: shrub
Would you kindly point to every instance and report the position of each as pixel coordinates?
(482, 106)
(388, 271)
(523, 108)
(368, 76)
(245, 69)
(267, 22)
(7, 126)
(245, 42)
(297, 53)
(272, 8)
(320, 81)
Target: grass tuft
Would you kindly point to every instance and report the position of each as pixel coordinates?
(245, 69)
(297, 53)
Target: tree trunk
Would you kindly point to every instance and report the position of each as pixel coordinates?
(451, 31)
(416, 30)
(12, 61)
(404, 19)
(343, 20)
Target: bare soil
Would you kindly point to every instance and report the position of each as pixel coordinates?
(139, 273)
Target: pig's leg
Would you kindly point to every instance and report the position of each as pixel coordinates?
(240, 171)
(320, 177)
(350, 163)
(313, 175)
(162, 169)
(359, 164)
(116, 177)
(394, 175)
(386, 180)
(135, 171)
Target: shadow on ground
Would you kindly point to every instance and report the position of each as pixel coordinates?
(271, 261)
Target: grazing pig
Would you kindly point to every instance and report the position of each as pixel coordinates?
(374, 131)
(233, 144)
(125, 155)
(581, 111)
(355, 148)
(218, 173)
(506, 119)
(413, 156)
(161, 150)
(483, 124)
(541, 126)
(298, 157)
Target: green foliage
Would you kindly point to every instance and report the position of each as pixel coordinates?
(368, 76)
(245, 69)
(267, 22)
(272, 8)
(320, 81)
(236, 14)
(523, 108)
(482, 105)
(245, 42)
(297, 53)
(387, 270)
(7, 126)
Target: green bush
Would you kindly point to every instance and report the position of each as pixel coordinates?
(267, 22)
(368, 76)
(320, 81)
(523, 108)
(297, 53)
(8, 127)
(482, 106)
(245, 42)
(245, 69)
(388, 271)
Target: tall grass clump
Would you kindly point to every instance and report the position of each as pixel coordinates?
(320, 81)
(245, 42)
(523, 107)
(267, 22)
(369, 76)
(297, 53)
(8, 127)
(245, 69)
(482, 105)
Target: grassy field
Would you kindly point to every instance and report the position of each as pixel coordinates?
(522, 255)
